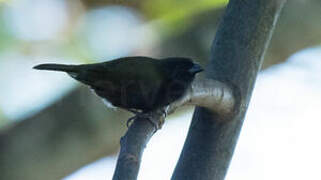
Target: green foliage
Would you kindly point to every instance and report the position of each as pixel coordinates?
(3, 119)
(3, 1)
(6, 39)
(178, 13)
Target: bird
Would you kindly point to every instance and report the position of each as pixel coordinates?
(138, 84)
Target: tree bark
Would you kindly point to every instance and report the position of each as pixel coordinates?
(237, 55)
(132, 147)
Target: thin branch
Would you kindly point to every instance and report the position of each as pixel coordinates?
(131, 150)
(203, 92)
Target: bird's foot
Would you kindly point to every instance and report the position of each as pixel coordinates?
(134, 111)
(138, 115)
(130, 121)
(157, 118)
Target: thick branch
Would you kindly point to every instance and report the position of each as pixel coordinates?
(208, 93)
(237, 55)
(203, 92)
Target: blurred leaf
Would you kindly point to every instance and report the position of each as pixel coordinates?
(3, 119)
(6, 38)
(2, 1)
(175, 13)
(76, 48)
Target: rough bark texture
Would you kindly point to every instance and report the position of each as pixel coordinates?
(237, 55)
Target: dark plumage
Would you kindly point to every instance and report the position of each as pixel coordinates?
(134, 83)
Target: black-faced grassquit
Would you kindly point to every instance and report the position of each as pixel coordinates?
(134, 83)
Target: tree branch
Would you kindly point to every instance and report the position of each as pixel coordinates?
(237, 55)
(131, 149)
(208, 93)
(202, 92)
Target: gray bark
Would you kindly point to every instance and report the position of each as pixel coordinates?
(237, 55)
(132, 147)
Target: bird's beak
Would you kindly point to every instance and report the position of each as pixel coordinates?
(196, 69)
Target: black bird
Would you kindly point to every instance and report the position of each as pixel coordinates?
(134, 83)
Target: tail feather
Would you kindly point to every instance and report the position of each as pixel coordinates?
(77, 72)
(57, 67)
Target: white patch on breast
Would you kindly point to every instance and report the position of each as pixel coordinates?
(105, 101)
(108, 104)
(73, 74)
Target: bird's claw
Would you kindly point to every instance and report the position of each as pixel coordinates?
(130, 120)
(157, 118)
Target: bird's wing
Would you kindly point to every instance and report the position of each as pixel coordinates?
(126, 70)
(133, 83)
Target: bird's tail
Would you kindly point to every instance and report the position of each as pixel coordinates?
(73, 70)
(57, 67)
(78, 72)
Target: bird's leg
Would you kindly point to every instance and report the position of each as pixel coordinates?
(130, 120)
(151, 119)
(157, 117)
(163, 112)
(134, 111)
(147, 116)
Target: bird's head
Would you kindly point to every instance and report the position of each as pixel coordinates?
(182, 69)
